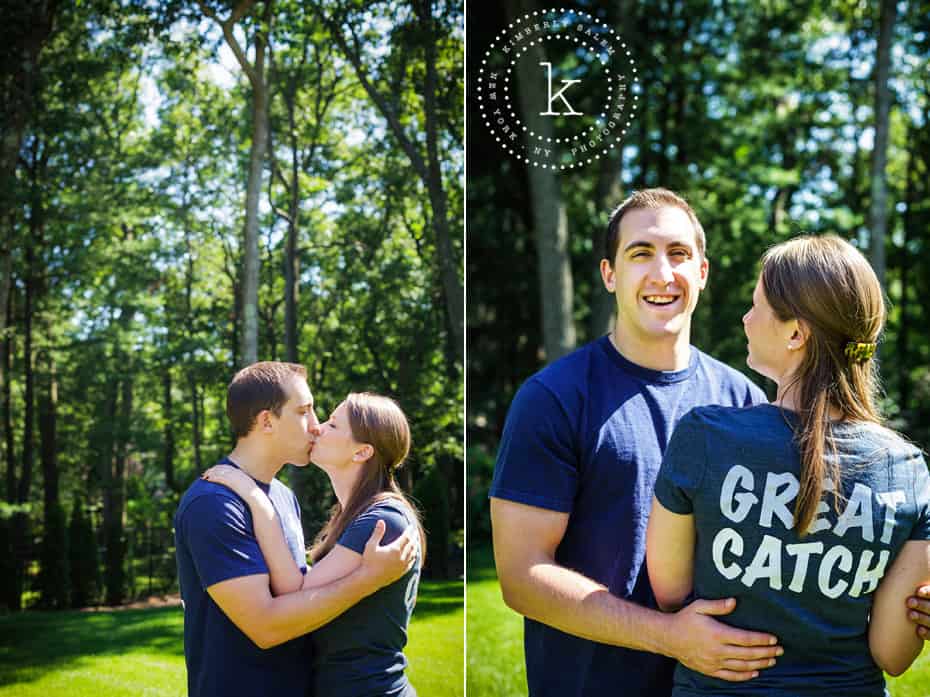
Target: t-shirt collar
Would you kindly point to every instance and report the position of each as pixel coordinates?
(663, 377)
(226, 461)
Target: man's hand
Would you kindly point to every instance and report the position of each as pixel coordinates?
(919, 611)
(710, 647)
(385, 564)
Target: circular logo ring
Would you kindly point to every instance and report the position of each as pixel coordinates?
(591, 65)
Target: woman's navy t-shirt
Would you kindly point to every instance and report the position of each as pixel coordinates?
(737, 471)
(360, 652)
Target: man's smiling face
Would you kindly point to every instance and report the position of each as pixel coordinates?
(657, 275)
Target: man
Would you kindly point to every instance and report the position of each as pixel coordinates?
(238, 639)
(573, 483)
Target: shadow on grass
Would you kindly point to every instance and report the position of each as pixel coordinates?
(34, 643)
(438, 598)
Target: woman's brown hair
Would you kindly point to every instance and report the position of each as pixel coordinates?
(827, 284)
(378, 421)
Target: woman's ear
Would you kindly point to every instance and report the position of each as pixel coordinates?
(800, 335)
(364, 453)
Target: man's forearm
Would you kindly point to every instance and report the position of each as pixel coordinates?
(292, 615)
(575, 604)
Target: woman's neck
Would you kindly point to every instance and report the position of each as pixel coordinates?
(789, 395)
(344, 480)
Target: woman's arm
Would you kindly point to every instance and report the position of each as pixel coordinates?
(892, 638)
(283, 571)
(670, 556)
(339, 562)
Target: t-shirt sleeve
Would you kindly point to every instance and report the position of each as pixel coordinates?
(219, 534)
(359, 530)
(536, 461)
(683, 466)
(921, 531)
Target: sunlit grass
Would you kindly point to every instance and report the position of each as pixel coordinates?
(140, 653)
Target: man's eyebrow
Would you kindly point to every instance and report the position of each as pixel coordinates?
(638, 243)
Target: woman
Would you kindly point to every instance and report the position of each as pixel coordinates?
(799, 508)
(360, 652)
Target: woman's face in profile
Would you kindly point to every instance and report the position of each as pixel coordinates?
(767, 350)
(335, 445)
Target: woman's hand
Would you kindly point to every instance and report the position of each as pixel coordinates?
(237, 480)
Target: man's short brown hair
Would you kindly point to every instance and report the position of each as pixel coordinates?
(258, 387)
(649, 198)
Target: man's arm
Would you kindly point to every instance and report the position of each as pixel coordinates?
(919, 611)
(269, 621)
(533, 584)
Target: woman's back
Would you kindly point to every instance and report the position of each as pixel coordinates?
(737, 471)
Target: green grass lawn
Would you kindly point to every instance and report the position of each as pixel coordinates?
(140, 653)
(495, 641)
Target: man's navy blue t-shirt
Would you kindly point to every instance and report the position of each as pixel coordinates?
(360, 652)
(216, 542)
(585, 436)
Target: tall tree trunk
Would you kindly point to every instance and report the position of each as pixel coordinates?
(115, 494)
(54, 568)
(609, 195)
(168, 436)
(25, 29)
(550, 224)
(28, 455)
(291, 258)
(903, 349)
(6, 283)
(196, 414)
(878, 211)
(48, 429)
(8, 436)
(248, 352)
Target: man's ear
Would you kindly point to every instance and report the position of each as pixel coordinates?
(608, 276)
(705, 268)
(265, 420)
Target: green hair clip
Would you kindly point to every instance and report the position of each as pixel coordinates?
(859, 351)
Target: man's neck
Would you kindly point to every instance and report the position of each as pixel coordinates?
(249, 457)
(671, 353)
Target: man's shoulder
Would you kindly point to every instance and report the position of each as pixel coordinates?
(203, 497)
(571, 369)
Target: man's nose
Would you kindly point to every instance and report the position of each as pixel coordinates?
(662, 270)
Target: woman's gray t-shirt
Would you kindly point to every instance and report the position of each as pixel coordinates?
(737, 471)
